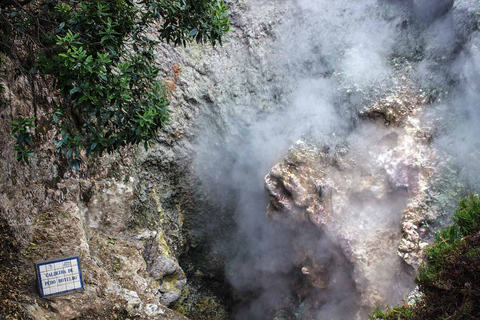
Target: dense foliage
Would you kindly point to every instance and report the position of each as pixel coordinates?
(449, 280)
(100, 56)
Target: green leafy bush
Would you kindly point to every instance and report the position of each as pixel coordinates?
(450, 277)
(111, 94)
(22, 132)
(466, 220)
(446, 242)
(467, 216)
(395, 313)
(102, 62)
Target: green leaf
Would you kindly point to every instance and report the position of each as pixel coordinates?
(28, 140)
(74, 90)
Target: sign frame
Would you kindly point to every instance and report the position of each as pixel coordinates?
(58, 260)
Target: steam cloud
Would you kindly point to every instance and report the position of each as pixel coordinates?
(328, 57)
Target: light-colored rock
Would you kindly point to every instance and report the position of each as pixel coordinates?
(361, 199)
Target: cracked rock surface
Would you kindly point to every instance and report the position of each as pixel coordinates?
(362, 194)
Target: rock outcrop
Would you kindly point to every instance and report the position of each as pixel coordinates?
(144, 221)
(123, 219)
(130, 215)
(362, 195)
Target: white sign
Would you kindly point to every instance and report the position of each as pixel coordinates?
(59, 276)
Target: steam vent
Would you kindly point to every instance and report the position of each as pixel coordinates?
(240, 160)
(364, 202)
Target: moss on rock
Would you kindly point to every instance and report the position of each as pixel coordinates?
(195, 305)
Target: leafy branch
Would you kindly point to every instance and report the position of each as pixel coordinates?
(102, 62)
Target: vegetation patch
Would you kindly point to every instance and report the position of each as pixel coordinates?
(199, 307)
(449, 280)
(395, 313)
(99, 58)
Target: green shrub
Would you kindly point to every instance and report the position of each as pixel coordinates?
(22, 131)
(450, 276)
(395, 313)
(102, 62)
(466, 220)
(446, 242)
(467, 216)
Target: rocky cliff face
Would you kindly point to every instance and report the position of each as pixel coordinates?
(360, 198)
(101, 214)
(188, 214)
(131, 216)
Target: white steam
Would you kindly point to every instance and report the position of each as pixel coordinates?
(329, 59)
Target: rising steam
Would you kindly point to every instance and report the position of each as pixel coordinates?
(330, 59)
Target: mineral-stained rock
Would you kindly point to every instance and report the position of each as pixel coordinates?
(296, 187)
(119, 277)
(360, 198)
(172, 277)
(120, 213)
